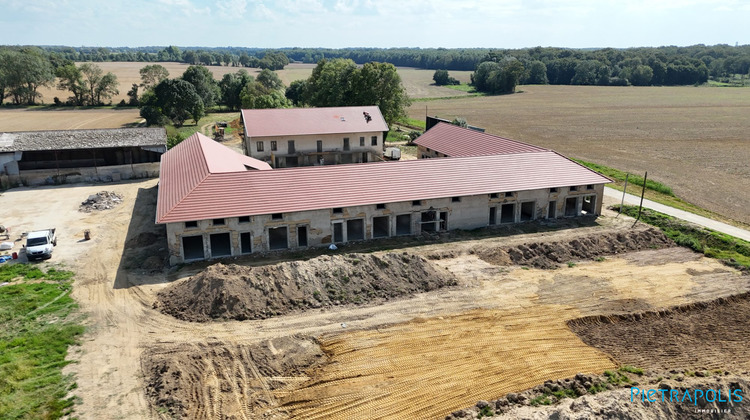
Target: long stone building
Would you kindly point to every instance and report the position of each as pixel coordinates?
(216, 202)
(314, 136)
(70, 156)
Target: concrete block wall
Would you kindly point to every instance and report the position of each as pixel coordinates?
(465, 212)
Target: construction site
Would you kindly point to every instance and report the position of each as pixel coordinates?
(448, 325)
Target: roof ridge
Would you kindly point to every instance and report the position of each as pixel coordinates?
(197, 184)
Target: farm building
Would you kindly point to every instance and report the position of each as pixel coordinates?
(448, 140)
(69, 156)
(314, 136)
(215, 202)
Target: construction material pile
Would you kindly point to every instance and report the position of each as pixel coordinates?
(238, 292)
(103, 200)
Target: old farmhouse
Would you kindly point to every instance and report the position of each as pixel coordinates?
(216, 202)
(314, 136)
(69, 156)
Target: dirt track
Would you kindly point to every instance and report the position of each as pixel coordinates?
(490, 301)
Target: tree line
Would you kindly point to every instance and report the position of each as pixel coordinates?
(24, 70)
(236, 57)
(337, 82)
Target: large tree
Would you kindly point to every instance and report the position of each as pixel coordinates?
(70, 78)
(339, 82)
(23, 72)
(498, 77)
(177, 100)
(152, 74)
(97, 84)
(231, 86)
(266, 91)
(537, 73)
(203, 81)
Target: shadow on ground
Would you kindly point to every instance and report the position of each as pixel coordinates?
(144, 255)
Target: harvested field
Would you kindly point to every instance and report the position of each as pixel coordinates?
(211, 380)
(237, 292)
(550, 255)
(693, 139)
(35, 119)
(697, 336)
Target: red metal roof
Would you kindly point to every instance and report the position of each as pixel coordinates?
(306, 121)
(196, 194)
(455, 141)
(191, 162)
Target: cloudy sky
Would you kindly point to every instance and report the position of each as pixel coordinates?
(374, 23)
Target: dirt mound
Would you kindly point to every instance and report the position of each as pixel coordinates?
(551, 254)
(204, 380)
(103, 200)
(238, 292)
(700, 336)
(608, 396)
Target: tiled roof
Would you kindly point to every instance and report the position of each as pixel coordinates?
(187, 165)
(308, 121)
(22, 141)
(455, 141)
(189, 191)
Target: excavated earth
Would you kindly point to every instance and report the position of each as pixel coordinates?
(237, 292)
(686, 348)
(549, 255)
(199, 380)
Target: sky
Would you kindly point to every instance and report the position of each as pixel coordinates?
(374, 23)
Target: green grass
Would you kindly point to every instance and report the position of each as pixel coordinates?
(190, 128)
(412, 123)
(34, 338)
(394, 136)
(712, 244)
(540, 400)
(632, 179)
(631, 369)
(463, 87)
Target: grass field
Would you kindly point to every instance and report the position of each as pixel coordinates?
(693, 139)
(35, 314)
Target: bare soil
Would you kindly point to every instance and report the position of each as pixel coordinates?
(237, 292)
(35, 119)
(550, 255)
(698, 336)
(501, 329)
(233, 378)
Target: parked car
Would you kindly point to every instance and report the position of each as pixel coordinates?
(40, 243)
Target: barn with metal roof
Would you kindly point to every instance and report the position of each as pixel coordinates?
(68, 156)
(216, 202)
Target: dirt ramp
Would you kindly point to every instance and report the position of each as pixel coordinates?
(219, 380)
(239, 292)
(698, 336)
(552, 254)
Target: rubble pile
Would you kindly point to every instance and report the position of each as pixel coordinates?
(103, 200)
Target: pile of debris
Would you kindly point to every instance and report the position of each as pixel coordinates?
(103, 200)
